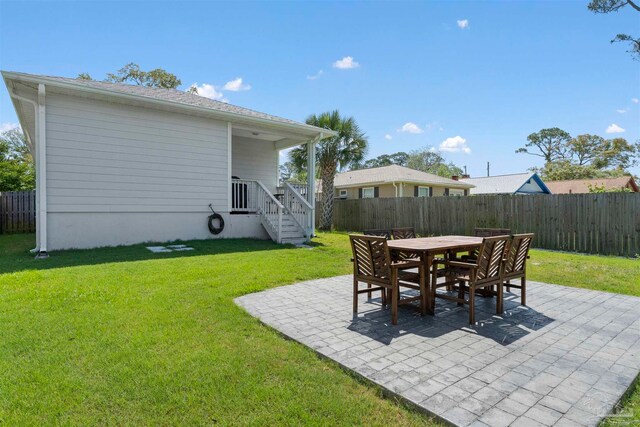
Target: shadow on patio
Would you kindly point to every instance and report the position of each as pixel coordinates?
(516, 322)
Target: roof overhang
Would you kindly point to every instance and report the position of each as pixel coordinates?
(457, 184)
(296, 133)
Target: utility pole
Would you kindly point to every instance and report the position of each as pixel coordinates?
(487, 168)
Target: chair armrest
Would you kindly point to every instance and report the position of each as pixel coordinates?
(462, 264)
(409, 264)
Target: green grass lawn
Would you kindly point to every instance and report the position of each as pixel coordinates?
(123, 336)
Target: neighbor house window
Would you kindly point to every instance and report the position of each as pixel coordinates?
(456, 192)
(343, 194)
(423, 191)
(368, 193)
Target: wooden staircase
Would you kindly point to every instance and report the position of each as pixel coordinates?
(288, 222)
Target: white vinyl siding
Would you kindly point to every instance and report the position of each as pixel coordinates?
(255, 159)
(107, 157)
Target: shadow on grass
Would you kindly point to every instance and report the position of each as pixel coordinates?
(15, 255)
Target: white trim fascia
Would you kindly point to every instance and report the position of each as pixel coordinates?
(224, 115)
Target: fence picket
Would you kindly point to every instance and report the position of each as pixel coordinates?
(17, 212)
(605, 223)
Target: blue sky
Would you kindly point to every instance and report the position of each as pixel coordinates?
(473, 78)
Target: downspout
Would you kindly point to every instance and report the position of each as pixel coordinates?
(396, 188)
(41, 177)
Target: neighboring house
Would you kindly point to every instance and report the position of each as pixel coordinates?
(395, 181)
(519, 183)
(574, 186)
(120, 164)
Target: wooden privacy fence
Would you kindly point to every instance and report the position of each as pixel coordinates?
(605, 223)
(17, 212)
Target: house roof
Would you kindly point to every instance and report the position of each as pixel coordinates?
(582, 185)
(172, 96)
(504, 184)
(393, 173)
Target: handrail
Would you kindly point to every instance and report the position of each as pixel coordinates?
(299, 209)
(271, 211)
(298, 195)
(273, 198)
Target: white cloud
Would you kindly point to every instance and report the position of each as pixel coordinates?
(316, 75)
(622, 110)
(635, 100)
(614, 128)
(7, 126)
(410, 128)
(236, 85)
(388, 137)
(346, 63)
(455, 144)
(463, 24)
(209, 91)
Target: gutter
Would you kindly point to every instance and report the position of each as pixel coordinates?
(225, 115)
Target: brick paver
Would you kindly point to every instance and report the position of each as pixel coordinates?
(565, 359)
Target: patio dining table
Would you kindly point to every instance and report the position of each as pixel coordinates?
(429, 247)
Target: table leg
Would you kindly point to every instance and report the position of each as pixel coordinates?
(433, 273)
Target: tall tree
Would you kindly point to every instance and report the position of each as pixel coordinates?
(290, 172)
(592, 156)
(157, 77)
(430, 161)
(608, 6)
(16, 162)
(345, 149)
(131, 73)
(400, 158)
(550, 144)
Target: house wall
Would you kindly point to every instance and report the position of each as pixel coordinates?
(388, 190)
(255, 159)
(531, 186)
(120, 174)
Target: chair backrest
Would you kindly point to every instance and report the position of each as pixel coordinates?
(518, 253)
(491, 232)
(379, 233)
(490, 257)
(403, 233)
(370, 256)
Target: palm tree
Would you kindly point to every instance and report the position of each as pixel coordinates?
(345, 149)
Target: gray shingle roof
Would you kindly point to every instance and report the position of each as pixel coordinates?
(393, 173)
(499, 184)
(169, 95)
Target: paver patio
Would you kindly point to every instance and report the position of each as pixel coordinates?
(566, 359)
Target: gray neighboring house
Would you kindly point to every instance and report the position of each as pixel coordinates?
(120, 164)
(519, 183)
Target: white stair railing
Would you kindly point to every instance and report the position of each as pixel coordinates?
(243, 195)
(271, 211)
(299, 209)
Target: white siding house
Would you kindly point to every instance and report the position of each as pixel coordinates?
(519, 183)
(119, 164)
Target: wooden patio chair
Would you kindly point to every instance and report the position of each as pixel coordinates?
(515, 266)
(405, 233)
(372, 265)
(378, 232)
(484, 232)
(485, 273)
